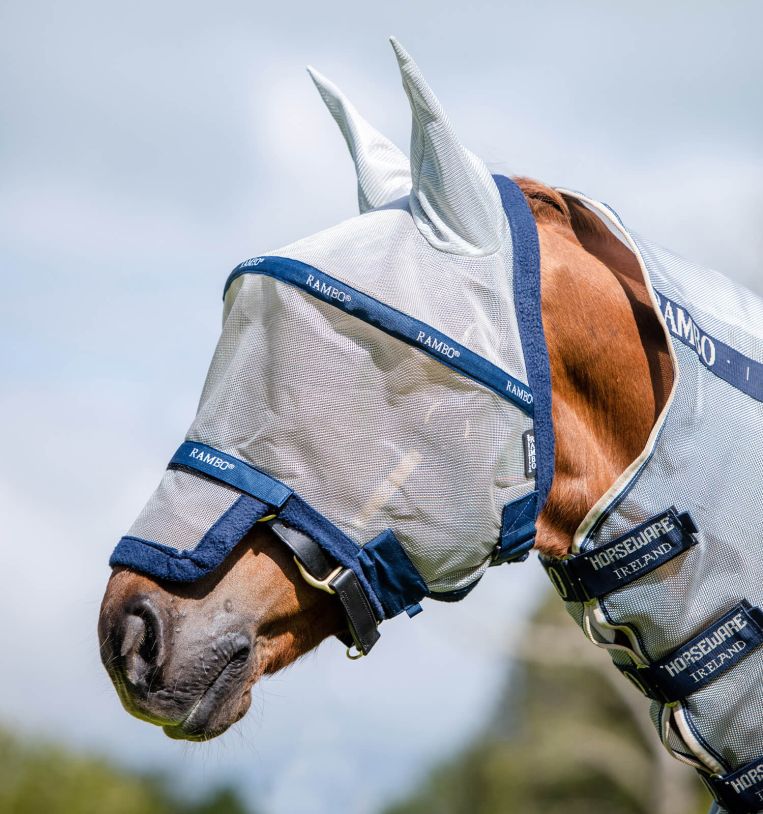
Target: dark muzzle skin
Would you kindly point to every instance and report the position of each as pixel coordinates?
(185, 656)
(169, 669)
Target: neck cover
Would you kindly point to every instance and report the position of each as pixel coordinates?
(386, 399)
(667, 570)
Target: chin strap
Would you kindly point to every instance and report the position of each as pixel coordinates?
(320, 572)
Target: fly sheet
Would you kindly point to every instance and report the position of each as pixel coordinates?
(667, 573)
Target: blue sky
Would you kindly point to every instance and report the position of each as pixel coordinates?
(145, 149)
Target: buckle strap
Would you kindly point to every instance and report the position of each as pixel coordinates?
(357, 610)
(319, 571)
(741, 791)
(698, 662)
(596, 573)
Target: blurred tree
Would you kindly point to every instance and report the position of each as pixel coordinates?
(38, 778)
(569, 736)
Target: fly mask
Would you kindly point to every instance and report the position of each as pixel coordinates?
(380, 393)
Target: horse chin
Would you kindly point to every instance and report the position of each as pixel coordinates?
(207, 721)
(185, 657)
(220, 705)
(199, 707)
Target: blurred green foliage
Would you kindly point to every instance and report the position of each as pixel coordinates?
(41, 778)
(569, 736)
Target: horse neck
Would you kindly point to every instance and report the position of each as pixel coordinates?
(610, 368)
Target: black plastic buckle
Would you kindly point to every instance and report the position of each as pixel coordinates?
(565, 580)
(642, 680)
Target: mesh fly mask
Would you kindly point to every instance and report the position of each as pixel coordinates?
(380, 393)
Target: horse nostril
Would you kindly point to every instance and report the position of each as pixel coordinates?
(142, 648)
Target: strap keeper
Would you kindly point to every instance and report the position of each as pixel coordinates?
(517, 530)
(687, 523)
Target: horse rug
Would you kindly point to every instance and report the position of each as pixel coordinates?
(667, 572)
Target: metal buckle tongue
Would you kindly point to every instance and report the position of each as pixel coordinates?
(319, 572)
(320, 584)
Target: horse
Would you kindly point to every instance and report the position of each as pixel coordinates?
(185, 655)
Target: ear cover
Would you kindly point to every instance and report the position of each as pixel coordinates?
(454, 200)
(383, 170)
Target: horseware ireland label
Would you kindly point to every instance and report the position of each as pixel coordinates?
(711, 653)
(743, 788)
(632, 555)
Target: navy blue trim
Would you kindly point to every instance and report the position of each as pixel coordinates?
(727, 363)
(299, 514)
(166, 563)
(517, 529)
(393, 322)
(455, 595)
(392, 575)
(527, 304)
(226, 468)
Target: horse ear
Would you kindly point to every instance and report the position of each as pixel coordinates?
(454, 200)
(383, 170)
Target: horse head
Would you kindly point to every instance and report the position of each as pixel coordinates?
(375, 425)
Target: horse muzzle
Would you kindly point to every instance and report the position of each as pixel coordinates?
(194, 685)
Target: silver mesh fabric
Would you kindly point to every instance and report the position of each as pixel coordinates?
(182, 510)
(707, 460)
(373, 433)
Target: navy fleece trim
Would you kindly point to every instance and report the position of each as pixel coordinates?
(162, 562)
(527, 303)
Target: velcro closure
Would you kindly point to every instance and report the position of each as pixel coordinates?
(517, 530)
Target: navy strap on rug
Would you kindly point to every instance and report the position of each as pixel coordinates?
(741, 791)
(698, 662)
(596, 573)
